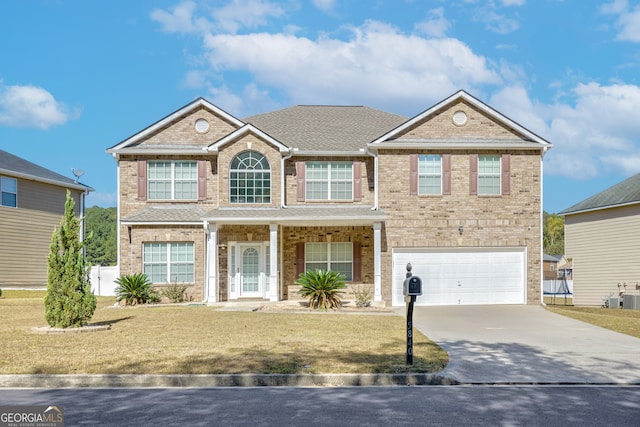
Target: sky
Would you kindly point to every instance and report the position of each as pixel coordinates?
(77, 77)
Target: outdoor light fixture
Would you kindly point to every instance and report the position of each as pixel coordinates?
(460, 229)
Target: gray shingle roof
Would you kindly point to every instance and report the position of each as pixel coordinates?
(326, 128)
(623, 193)
(167, 214)
(11, 164)
(194, 214)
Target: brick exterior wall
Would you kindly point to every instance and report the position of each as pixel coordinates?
(512, 220)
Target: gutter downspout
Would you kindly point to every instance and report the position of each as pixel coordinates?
(544, 151)
(118, 219)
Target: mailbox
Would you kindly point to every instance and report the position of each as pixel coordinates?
(412, 286)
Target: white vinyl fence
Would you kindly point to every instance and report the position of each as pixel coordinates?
(103, 280)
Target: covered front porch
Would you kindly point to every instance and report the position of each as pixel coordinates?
(259, 253)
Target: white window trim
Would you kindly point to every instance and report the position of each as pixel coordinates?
(328, 260)
(172, 179)
(2, 190)
(231, 171)
(493, 175)
(428, 174)
(328, 181)
(168, 261)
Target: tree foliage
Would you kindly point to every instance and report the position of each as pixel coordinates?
(553, 234)
(101, 243)
(69, 301)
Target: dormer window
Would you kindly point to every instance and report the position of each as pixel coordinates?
(250, 178)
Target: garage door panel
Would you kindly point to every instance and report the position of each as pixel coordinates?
(459, 277)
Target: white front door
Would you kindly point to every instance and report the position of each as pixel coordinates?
(250, 271)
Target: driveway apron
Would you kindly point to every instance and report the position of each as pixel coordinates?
(516, 344)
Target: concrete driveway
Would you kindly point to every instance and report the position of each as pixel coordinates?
(527, 344)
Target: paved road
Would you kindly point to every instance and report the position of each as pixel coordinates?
(355, 406)
(527, 344)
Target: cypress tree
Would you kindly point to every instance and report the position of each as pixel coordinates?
(69, 301)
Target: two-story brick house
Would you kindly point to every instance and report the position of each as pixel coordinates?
(239, 208)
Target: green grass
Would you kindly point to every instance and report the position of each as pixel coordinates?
(201, 340)
(623, 321)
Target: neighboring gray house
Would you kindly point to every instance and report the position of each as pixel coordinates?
(602, 238)
(31, 208)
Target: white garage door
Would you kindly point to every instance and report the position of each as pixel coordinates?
(462, 277)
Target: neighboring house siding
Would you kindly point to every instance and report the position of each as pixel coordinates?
(25, 233)
(604, 246)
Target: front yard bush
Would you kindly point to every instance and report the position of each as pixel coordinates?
(136, 289)
(322, 288)
(176, 293)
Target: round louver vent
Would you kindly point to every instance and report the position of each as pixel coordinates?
(202, 125)
(459, 118)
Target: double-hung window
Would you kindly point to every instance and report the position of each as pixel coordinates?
(9, 187)
(430, 174)
(172, 180)
(329, 180)
(168, 262)
(330, 256)
(489, 174)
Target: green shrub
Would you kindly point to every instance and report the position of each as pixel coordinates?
(322, 288)
(362, 294)
(69, 301)
(175, 293)
(0, 292)
(136, 289)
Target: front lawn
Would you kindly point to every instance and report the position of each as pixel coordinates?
(200, 340)
(623, 321)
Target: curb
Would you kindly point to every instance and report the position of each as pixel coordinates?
(225, 380)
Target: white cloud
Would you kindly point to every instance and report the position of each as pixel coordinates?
(629, 26)
(615, 7)
(30, 106)
(377, 65)
(628, 20)
(236, 15)
(594, 131)
(436, 24)
(513, 2)
(179, 20)
(324, 5)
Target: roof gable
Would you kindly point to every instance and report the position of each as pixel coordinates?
(464, 121)
(244, 130)
(172, 118)
(623, 193)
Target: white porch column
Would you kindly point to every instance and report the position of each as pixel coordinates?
(273, 262)
(212, 264)
(377, 254)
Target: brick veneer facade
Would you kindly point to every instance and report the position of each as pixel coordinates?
(412, 221)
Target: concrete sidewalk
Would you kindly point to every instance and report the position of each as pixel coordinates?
(515, 344)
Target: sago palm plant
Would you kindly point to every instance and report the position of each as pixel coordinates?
(134, 289)
(322, 288)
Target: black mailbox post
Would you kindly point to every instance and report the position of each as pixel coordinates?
(412, 287)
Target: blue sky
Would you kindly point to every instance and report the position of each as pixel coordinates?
(77, 77)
